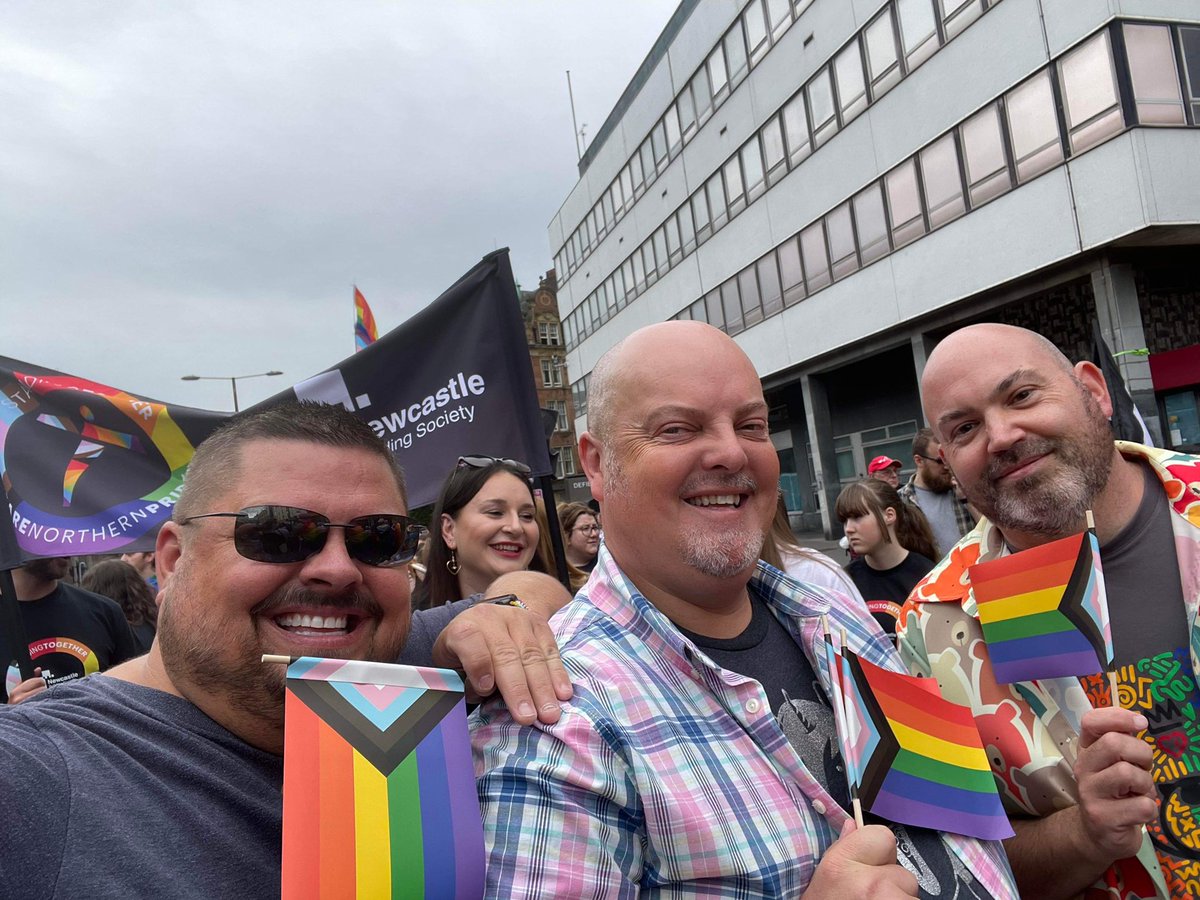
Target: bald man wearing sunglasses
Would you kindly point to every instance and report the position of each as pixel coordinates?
(164, 776)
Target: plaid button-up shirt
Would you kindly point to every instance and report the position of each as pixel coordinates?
(667, 775)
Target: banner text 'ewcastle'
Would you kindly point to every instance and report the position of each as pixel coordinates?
(459, 387)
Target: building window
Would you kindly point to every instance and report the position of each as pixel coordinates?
(548, 333)
(579, 392)
(1036, 143)
(791, 272)
(943, 183)
(1089, 87)
(851, 86)
(773, 150)
(551, 371)
(983, 154)
(733, 308)
(1189, 45)
(752, 309)
(904, 203)
(795, 127)
(958, 14)
(883, 62)
(842, 251)
(820, 104)
(756, 31)
(768, 280)
(560, 407)
(918, 30)
(565, 465)
(1152, 70)
(752, 169)
(871, 223)
(816, 259)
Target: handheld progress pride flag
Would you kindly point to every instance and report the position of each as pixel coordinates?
(378, 787)
(1044, 611)
(365, 331)
(915, 757)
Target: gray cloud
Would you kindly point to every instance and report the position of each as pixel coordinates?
(192, 187)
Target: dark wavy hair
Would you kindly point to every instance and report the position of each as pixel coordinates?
(460, 487)
(874, 496)
(121, 581)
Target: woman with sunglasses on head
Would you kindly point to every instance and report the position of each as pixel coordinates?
(484, 525)
(582, 535)
(894, 545)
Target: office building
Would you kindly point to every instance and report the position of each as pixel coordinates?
(840, 183)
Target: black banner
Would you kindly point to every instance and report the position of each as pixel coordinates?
(454, 380)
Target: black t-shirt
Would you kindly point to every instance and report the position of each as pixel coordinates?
(768, 653)
(885, 590)
(1154, 672)
(72, 633)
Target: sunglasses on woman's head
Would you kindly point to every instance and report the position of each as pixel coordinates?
(289, 534)
(482, 462)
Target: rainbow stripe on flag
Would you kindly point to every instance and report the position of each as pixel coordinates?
(1044, 611)
(364, 322)
(915, 757)
(378, 786)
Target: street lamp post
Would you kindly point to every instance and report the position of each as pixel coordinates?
(232, 379)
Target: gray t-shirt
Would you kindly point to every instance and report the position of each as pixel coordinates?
(939, 510)
(1141, 577)
(113, 790)
(427, 624)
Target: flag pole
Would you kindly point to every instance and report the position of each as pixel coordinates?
(854, 801)
(1111, 669)
(839, 717)
(12, 623)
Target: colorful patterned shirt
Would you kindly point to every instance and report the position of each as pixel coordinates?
(1031, 729)
(667, 774)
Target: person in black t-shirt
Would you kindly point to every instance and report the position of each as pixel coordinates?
(71, 632)
(894, 543)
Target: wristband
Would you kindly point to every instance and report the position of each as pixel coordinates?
(507, 600)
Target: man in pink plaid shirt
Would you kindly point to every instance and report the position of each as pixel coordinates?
(698, 757)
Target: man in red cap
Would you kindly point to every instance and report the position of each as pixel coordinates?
(886, 470)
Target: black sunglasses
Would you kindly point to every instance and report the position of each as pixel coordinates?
(288, 534)
(482, 462)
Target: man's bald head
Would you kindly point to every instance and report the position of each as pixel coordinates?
(619, 366)
(974, 342)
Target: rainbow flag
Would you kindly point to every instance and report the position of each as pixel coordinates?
(915, 757)
(364, 323)
(378, 786)
(1044, 611)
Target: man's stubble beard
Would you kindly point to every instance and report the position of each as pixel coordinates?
(230, 665)
(722, 555)
(1052, 504)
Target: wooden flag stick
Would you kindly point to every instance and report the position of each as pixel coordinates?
(276, 658)
(1111, 672)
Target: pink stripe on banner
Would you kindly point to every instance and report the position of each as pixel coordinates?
(926, 815)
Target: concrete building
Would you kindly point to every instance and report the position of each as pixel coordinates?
(543, 332)
(839, 183)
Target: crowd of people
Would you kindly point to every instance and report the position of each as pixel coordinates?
(670, 730)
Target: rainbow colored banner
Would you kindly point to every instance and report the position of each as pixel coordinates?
(915, 757)
(1044, 611)
(378, 786)
(365, 331)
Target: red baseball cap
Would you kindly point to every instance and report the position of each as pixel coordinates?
(879, 463)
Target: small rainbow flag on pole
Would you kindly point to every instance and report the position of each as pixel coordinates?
(364, 322)
(1044, 611)
(915, 757)
(378, 787)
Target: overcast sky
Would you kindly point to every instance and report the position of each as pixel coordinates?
(192, 187)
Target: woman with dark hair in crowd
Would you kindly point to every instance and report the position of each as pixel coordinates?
(484, 525)
(894, 544)
(581, 535)
(121, 581)
(802, 563)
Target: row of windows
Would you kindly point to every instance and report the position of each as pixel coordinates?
(1008, 142)
(900, 37)
(747, 41)
(1064, 109)
(565, 464)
